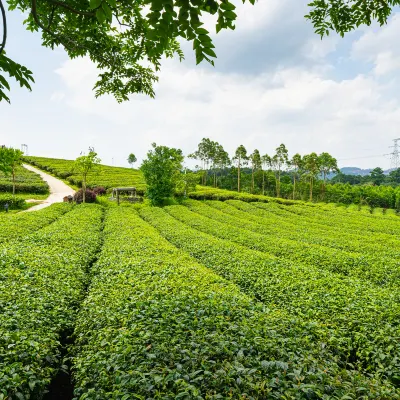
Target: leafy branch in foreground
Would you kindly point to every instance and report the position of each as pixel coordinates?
(344, 16)
(125, 39)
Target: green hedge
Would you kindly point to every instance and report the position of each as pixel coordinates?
(42, 282)
(205, 193)
(25, 182)
(360, 319)
(14, 202)
(158, 325)
(15, 226)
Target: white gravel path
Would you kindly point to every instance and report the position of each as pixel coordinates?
(58, 189)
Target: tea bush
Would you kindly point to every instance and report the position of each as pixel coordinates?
(42, 282)
(14, 226)
(360, 319)
(158, 325)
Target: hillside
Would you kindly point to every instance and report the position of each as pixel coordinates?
(105, 176)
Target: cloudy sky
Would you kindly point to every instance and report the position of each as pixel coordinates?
(274, 82)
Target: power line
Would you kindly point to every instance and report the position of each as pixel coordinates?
(357, 158)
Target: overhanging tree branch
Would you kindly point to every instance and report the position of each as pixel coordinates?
(3, 17)
(73, 10)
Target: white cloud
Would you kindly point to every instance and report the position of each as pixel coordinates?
(379, 47)
(304, 109)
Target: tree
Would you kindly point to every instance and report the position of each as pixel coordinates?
(84, 165)
(344, 16)
(327, 164)
(377, 176)
(394, 176)
(266, 162)
(132, 159)
(278, 161)
(256, 163)
(311, 166)
(125, 39)
(240, 159)
(10, 159)
(296, 163)
(205, 153)
(221, 160)
(161, 171)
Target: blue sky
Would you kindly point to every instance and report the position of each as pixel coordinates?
(274, 82)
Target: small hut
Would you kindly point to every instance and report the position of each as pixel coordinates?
(130, 191)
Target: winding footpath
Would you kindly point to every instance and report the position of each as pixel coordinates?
(58, 189)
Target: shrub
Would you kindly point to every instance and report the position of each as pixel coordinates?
(90, 196)
(14, 202)
(99, 190)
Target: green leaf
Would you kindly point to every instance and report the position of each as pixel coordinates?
(100, 15)
(202, 31)
(209, 52)
(107, 11)
(112, 3)
(227, 6)
(93, 4)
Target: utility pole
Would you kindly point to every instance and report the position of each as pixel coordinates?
(395, 154)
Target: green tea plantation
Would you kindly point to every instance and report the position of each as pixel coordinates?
(204, 300)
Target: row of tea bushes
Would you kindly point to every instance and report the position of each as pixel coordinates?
(14, 202)
(25, 182)
(359, 320)
(350, 220)
(209, 193)
(346, 263)
(42, 282)
(15, 226)
(158, 325)
(331, 236)
(306, 246)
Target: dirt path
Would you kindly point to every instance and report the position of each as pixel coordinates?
(58, 189)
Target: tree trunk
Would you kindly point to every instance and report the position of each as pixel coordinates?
(294, 186)
(278, 185)
(13, 180)
(84, 190)
(252, 180)
(311, 188)
(263, 183)
(239, 177)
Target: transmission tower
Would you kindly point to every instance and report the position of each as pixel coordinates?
(395, 154)
(24, 149)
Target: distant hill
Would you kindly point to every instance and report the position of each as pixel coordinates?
(359, 171)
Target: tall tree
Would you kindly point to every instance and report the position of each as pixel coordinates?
(256, 163)
(221, 160)
(377, 176)
(132, 159)
(296, 164)
(162, 172)
(327, 164)
(266, 162)
(240, 159)
(84, 165)
(10, 159)
(205, 153)
(311, 166)
(279, 161)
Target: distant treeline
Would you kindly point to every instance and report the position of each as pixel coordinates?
(299, 177)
